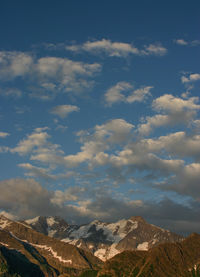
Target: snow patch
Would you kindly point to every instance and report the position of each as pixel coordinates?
(48, 248)
(32, 221)
(24, 224)
(50, 221)
(70, 241)
(51, 233)
(118, 230)
(112, 251)
(54, 254)
(82, 232)
(154, 241)
(143, 246)
(4, 244)
(101, 254)
(4, 223)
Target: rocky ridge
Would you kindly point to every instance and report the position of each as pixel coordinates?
(105, 240)
(180, 259)
(50, 257)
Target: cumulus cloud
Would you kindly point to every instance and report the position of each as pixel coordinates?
(25, 199)
(177, 144)
(115, 131)
(117, 93)
(14, 64)
(37, 147)
(190, 78)
(46, 76)
(114, 94)
(174, 111)
(138, 95)
(186, 182)
(145, 161)
(35, 140)
(64, 110)
(170, 103)
(117, 49)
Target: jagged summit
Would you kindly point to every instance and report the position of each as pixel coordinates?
(104, 239)
(137, 218)
(53, 226)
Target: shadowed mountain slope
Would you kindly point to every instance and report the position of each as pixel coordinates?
(50, 255)
(165, 260)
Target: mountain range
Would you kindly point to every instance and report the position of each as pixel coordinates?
(49, 246)
(102, 239)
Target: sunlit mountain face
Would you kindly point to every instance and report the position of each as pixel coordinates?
(99, 112)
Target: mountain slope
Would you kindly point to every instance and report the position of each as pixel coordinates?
(166, 260)
(46, 252)
(105, 240)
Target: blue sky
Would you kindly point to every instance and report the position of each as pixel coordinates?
(99, 114)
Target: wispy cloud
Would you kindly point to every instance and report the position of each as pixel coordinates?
(11, 92)
(184, 42)
(37, 172)
(118, 49)
(4, 134)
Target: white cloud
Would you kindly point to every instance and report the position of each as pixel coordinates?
(117, 49)
(168, 102)
(138, 95)
(116, 93)
(154, 49)
(190, 78)
(104, 137)
(176, 110)
(177, 144)
(46, 76)
(33, 141)
(181, 41)
(64, 110)
(4, 134)
(145, 161)
(14, 64)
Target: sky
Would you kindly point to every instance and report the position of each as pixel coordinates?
(100, 111)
